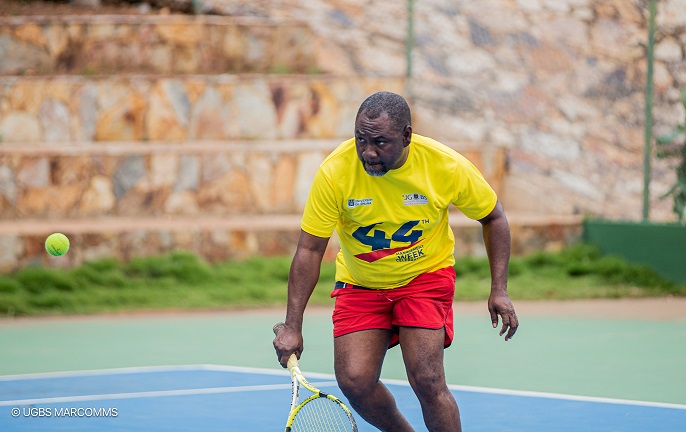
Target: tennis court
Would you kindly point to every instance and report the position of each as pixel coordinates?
(216, 398)
(217, 371)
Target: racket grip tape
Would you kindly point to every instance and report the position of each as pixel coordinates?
(293, 359)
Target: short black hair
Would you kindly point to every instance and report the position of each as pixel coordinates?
(386, 102)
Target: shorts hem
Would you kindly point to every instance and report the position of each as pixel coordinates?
(347, 332)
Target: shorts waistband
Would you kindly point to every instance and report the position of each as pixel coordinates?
(341, 285)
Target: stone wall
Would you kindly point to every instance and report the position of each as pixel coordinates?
(172, 109)
(216, 164)
(71, 182)
(88, 45)
(148, 145)
(220, 164)
(559, 83)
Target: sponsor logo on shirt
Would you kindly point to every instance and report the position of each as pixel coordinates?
(359, 202)
(412, 254)
(414, 199)
(380, 241)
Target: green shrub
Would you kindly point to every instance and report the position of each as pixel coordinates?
(179, 266)
(38, 280)
(9, 285)
(182, 280)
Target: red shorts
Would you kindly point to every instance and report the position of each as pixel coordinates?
(426, 302)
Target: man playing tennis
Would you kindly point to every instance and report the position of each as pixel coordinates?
(387, 193)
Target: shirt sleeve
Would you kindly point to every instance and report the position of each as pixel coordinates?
(475, 197)
(321, 212)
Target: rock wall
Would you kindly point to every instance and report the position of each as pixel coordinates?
(545, 96)
(39, 110)
(160, 44)
(559, 83)
(129, 155)
(79, 147)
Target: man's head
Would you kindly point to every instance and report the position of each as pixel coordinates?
(383, 131)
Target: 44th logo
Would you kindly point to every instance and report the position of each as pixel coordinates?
(381, 243)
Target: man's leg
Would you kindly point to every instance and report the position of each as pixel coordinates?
(358, 360)
(423, 355)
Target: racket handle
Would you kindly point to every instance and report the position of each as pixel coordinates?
(292, 362)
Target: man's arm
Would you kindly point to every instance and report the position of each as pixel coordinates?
(496, 233)
(302, 279)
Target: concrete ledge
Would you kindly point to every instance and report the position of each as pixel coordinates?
(245, 222)
(168, 147)
(147, 18)
(124, 224)
(67, 148)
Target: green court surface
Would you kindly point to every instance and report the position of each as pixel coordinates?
(619, 358)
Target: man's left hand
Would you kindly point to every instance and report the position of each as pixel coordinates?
(499, 304)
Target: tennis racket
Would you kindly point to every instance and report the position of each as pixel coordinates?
(320, 412)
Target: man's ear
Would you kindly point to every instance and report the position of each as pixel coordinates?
(407, 135)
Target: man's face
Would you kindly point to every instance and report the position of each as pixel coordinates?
(380, 145)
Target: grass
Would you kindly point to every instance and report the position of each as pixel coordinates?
(578, 272)
(181, 280)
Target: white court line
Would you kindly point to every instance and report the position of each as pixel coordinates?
(544, 395)
(99, 372)
(154, 369)
(150, 394)
(524, 393)
(239, 369)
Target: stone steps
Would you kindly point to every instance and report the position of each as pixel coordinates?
(173, 44)
(138, 135)
(232, 237)
(142, 108)
(150, 179)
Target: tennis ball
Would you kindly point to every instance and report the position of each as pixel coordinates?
(57, 244)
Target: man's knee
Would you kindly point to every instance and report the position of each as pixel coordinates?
(428, 383)
(355, 385)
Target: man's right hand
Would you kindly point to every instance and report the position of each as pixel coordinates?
(287, 342)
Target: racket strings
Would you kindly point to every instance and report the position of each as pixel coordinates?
(322, 415)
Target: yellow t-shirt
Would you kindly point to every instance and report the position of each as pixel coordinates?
(394, 227)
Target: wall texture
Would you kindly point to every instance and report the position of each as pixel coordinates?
(181, 149)
(560, 83)
(92, 44)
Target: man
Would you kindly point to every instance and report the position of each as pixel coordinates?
(387, 192)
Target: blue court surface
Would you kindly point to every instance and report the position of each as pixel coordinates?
(221, 398)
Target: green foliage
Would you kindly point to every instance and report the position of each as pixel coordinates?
(105, 273)
(177, 267)
(474, 266)
(181, 280)
(9, 285)
(577, 272)
(38, 280)
(673, 145)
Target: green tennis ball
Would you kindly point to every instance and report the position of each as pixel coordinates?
(57, 244)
